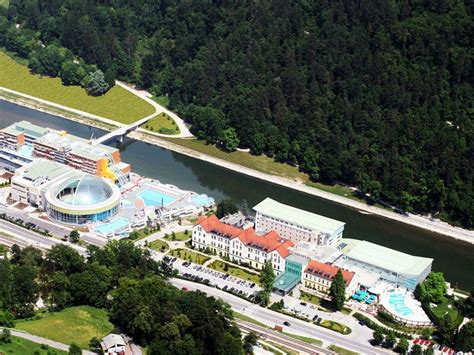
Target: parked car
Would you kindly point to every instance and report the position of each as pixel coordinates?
(287, 323)
(303, 304)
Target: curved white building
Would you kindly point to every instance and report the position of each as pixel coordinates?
(82, 199)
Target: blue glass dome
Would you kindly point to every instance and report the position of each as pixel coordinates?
(86, 191)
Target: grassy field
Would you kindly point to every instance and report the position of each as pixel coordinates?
(118, 104)
(189, 255)
(159, 245)
(25, 347)
(4, 3)
(341, 351)
(234, 271)
(179, 237)
(161, 123)
(74, 324)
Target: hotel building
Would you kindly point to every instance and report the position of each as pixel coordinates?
(241, 245)
(297, 225)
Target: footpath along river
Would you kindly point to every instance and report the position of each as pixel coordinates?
(454, 258)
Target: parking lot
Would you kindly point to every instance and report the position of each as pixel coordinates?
(215, 278)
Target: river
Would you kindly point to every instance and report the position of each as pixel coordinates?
(454, 258)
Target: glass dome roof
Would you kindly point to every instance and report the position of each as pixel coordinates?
(86, 191)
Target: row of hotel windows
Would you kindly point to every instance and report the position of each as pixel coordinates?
(284, 222)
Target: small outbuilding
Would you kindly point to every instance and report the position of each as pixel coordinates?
(114, 344)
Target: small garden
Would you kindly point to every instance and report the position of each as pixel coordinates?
(188, 255)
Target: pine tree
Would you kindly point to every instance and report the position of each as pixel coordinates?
(337, 291)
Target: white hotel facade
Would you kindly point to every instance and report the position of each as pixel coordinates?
(297, 225)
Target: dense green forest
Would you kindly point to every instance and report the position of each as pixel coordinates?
(376, 94)
(131, 286)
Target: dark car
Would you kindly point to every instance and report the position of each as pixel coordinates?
(303, 303)
(286, 323)
(252, 285)
(315, 318)
(361, 322)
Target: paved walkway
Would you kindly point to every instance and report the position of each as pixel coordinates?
(145, 95)
(41, 340)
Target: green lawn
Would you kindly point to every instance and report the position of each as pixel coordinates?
(337, 327)
(74, 324)
(308, 297)
(179, 237)
(161, 123)
(162, 100)
(20, 346)
(4, 3)
(234, 271)
(342, 351)
(189, 255)
(117, 104)
(447, 306)
(159, 245)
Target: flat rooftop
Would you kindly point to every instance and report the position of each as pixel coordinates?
(27, 128)
(312, 221)
(385, 258)
(78, 146)
(44, 168)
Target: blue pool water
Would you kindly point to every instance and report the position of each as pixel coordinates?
(153, 197)
(127, 204)
(113, 226)
(201, 200)
(396, 300)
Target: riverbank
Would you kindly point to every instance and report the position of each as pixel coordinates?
(156, 139)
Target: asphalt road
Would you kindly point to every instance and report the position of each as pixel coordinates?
(271, 318)
(54, 228)
(28, 237)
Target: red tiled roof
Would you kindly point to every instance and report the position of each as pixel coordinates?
(212, 224)
(268, 242)
(327, 271)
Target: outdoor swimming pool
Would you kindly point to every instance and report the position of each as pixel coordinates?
(113, 226)
(397, 301)
(152, 197)
(202, 200)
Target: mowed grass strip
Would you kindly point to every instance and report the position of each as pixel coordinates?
(26, 347)
(263, 164)
(117, 104)
(234, 271)
(71, 325)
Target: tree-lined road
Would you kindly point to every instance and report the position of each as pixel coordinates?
(358, 340)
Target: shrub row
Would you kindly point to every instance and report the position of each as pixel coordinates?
(374, 326)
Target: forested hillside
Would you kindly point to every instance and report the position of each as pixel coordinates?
(376, 94)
